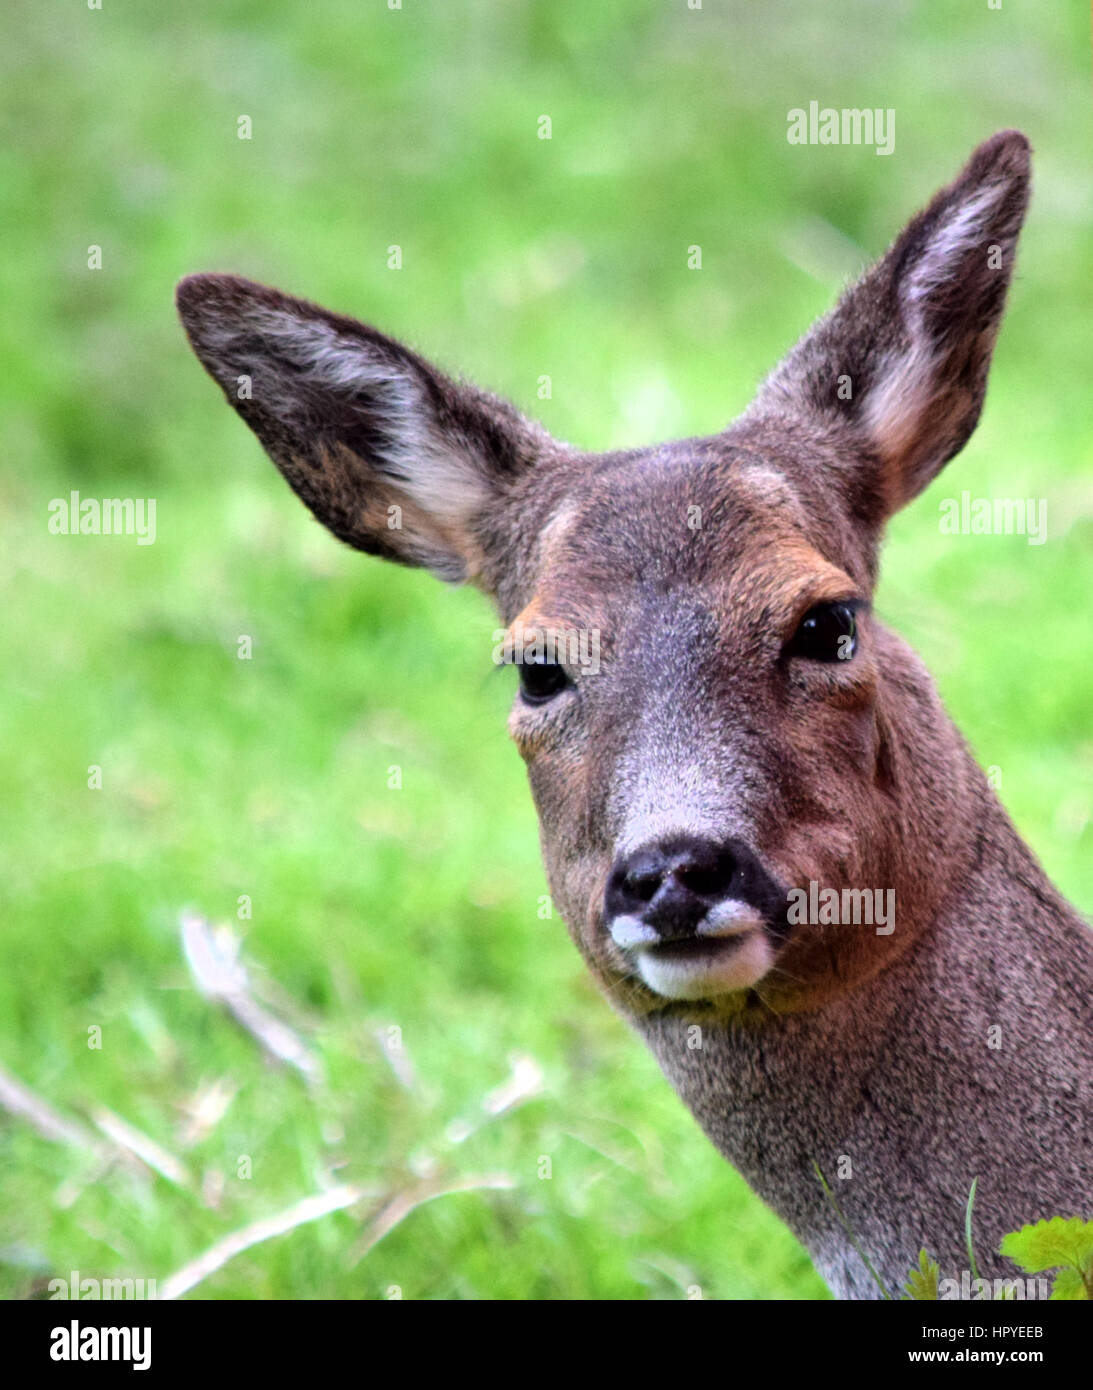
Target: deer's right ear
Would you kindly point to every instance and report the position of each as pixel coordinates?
(899, 367)
(394, 457)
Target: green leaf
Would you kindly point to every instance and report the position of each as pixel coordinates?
(921, 1283)
(1049, 1244)
(1069, 1287)
(1061, 1243)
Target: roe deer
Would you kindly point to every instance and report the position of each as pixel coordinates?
(752, 733)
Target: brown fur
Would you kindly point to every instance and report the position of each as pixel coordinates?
(853, 1044)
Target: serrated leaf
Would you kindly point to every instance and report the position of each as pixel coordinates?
(921, 1283)
(1065, 1242)
(1069, 1286)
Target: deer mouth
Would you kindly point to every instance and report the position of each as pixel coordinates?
(694, 917)
(705, 966)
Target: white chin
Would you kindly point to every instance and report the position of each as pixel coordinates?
(719, 966)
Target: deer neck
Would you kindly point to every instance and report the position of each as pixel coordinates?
(916, 1081)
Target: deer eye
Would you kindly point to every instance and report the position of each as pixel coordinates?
(827, 632)
(541, 680)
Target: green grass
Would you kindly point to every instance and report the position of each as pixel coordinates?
(418, 908)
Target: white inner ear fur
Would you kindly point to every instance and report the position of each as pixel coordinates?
(435, 471)
(896, 406)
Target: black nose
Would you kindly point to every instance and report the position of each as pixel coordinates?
(670, 886)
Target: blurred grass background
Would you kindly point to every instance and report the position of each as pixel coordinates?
(418, 908)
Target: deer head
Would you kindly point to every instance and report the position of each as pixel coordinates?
(748, 727)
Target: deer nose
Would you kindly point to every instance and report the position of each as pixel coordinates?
(670, 887)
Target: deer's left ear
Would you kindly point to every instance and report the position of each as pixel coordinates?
(393, 456)
(899, 367)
